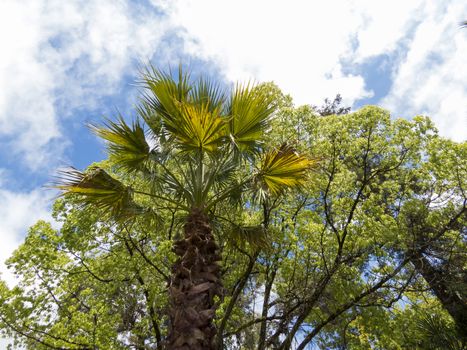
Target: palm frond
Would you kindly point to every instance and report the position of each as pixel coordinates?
(208, 93)
(255, 236)
(250, 110)
(164, 94)
(98, 189)
(221, 176)
(282, 168)
(126, 144)
(149, 116)
(224, 173)
(198, 129)
(190, 113)
(436, 334)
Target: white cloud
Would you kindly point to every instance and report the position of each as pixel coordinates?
(58, 56)
(302, 46)
(67, 54)
(61, 55)
(297, 44)
(432, 78)
(17, 213)
(384, 24)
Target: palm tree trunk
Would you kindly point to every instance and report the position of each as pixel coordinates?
(194, 284)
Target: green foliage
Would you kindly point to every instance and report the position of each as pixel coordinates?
(282, 168)
(250, 110)
(333, 264)
(127, 145)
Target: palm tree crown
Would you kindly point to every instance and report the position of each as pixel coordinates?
(196, 139)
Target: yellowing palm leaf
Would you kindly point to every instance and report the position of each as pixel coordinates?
(101, 190)
(283, 168)
(196, 128)
(190, 114)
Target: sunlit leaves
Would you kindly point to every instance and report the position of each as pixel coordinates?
(190, 112)
(127, 145)
(196, 128)
(375, 176)
(100, 190)
(249, 110)
(283, 168)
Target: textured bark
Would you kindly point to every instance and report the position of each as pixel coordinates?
(194, 284)
(439, 283)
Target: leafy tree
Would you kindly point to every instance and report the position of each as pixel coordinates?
(332, 107)
(331, 266)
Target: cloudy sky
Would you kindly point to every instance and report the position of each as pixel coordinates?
(66, 63)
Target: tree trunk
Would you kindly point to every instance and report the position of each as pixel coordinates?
(438, 282)
(194, 284)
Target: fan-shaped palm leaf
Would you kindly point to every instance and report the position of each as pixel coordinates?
(255, 236)
(190, 114)
(198, 129)
(126, 145)
(164, 94)
(282, 168)
(250, 110)
(209, 94)
(99, 189)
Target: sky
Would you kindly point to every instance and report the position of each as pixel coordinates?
(64, 64)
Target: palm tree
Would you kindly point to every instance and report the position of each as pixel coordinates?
(198, 138)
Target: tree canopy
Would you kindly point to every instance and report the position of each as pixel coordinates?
(368, 253)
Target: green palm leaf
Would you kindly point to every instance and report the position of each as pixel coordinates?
(255, 236)
(190, 114)
(283, 168)
(164, 95)
(127, 145)
(250, 110)
(100, 190)
(207, 93)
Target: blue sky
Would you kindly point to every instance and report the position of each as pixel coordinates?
(68, 63)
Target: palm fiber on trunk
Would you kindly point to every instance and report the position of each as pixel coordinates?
(194, 284)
